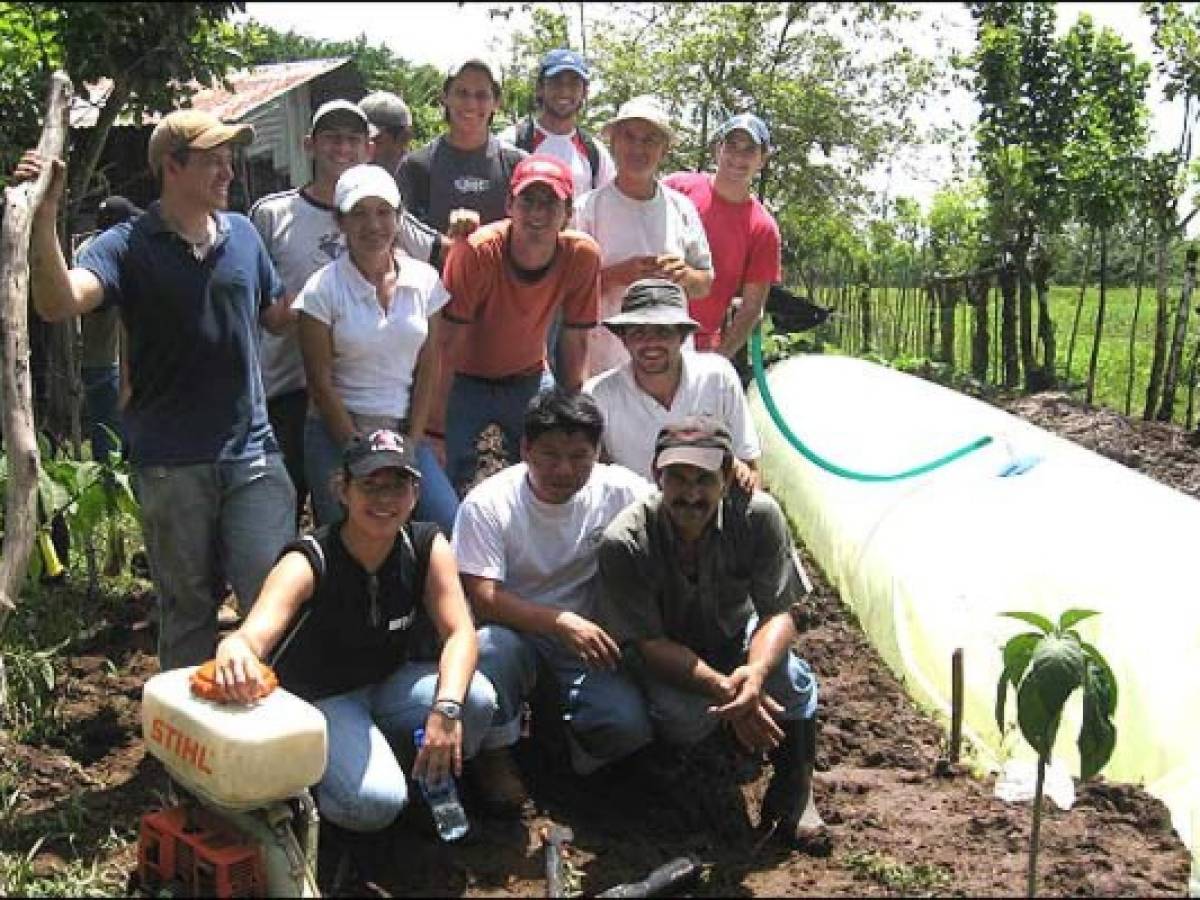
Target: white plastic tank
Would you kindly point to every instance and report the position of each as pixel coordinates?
(233, 756)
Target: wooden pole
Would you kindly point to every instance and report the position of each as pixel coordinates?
(20, 441)
(956, 704)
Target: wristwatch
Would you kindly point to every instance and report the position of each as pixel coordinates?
(451, 709)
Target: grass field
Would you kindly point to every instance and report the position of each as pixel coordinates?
(1113, 364)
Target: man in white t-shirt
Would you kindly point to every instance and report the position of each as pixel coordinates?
(644, 228)
(526, 541)
(301, 235)
(661, 383)
(560, 92)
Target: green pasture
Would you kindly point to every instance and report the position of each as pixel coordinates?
(898, 334)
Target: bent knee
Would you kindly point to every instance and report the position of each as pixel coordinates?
(368, 810)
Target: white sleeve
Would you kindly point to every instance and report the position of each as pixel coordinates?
(416, 238)
(696, 252)
(584, 214)
(737, 416)
(478, 541)
(608, 169)
(437, 297)
(314, 298)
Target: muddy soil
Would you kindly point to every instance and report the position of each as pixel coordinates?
(901, 821)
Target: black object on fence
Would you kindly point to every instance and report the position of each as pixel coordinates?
(791, 312)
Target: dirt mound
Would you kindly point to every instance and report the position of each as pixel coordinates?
(902, 822)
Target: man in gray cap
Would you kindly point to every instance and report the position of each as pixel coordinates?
(743, 236)
(659, 383)
(391, 128)
(701, 589)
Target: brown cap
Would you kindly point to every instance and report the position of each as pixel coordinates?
(701, 441)
(193, 129)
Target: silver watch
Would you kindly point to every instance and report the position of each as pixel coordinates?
(451, 709)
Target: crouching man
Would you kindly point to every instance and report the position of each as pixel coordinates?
(698, 587)
(526, 541)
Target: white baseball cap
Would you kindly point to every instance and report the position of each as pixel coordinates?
(365, 180)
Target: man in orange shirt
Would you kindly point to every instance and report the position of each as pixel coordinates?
(506, 281)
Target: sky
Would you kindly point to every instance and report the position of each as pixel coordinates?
(441, 33)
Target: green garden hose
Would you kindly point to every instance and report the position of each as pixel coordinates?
(760, 379)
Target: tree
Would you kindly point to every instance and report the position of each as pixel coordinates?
(1108, 132)
(1176, 37)
(1025, 94)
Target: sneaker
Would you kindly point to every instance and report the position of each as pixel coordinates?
(497, 782)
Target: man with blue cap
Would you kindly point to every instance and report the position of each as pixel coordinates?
(742, 236)
(562, 88)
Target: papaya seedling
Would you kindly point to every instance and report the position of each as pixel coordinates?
(1045, 667)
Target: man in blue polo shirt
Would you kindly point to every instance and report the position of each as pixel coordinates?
(192, 284)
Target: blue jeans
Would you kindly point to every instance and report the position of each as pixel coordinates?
(205, 523)
(101, 395)
(473, 405)
(604, 711)
(681, 717)
(364, 788)
(323, 457)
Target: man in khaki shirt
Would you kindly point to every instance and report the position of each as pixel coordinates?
(700, 586)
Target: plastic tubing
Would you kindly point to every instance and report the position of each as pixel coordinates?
(760, 378)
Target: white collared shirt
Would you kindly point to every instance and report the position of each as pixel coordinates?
(374, 351)
(708, 385)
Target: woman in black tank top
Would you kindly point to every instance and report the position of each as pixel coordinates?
(340, 617)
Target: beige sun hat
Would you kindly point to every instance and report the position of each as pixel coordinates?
(644, 107)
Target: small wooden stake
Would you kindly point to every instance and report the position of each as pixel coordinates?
(956, 704)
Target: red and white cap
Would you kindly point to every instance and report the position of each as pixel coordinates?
(543, 169)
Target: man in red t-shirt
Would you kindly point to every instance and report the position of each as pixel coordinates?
(506, 280)
(742, 235)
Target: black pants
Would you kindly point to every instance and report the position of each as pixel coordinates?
(287, 412)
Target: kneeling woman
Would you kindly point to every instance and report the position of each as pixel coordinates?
(339, 618)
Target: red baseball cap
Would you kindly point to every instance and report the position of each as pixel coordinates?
(543, 169)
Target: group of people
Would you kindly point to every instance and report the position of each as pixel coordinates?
(349, 340)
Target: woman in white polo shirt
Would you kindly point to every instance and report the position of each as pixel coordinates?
(368, 335)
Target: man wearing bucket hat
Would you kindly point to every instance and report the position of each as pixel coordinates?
(701, 590)
(506, 282)
(660, 382)
(560, 92)
(192, 283)
(645, 230)
(743, 236)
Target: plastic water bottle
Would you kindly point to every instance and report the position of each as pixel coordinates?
(442, 797)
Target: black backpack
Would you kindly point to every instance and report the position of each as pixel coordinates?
(527, 132)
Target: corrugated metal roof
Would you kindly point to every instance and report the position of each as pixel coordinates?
(251, 89)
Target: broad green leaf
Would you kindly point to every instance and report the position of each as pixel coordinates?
(1110, 679)
(1017, 653)
(1097, 734)
(1073, 617)
(54, 495)
(1033, 619)
(1056, 669)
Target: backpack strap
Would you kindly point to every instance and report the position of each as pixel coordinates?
(311, 549)
(526, 134)
(591, 151)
